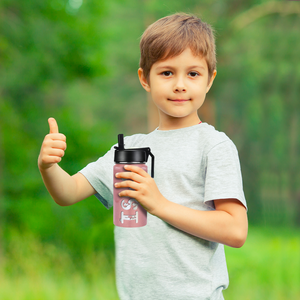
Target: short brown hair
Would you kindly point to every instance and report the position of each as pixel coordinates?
(171, 35)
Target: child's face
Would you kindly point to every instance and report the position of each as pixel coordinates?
(178, 86)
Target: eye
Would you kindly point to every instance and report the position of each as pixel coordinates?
(167, 73)
(193, 74)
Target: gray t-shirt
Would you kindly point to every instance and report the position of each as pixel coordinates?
(193, 167)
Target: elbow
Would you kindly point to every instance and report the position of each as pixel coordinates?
(238, 243)
(239, 238)
(61, 203)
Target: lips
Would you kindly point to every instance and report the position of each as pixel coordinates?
(179, 100)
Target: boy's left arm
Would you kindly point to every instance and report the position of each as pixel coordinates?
(227, 224)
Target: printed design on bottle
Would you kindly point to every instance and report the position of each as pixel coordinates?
(126, 205)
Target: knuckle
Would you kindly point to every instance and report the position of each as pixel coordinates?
(43, 152)
(63, 137)
(128, 193)
(47, 143)
(129, 175)
(60, 146)
(123, 194)
(126, 184)
(143, 191)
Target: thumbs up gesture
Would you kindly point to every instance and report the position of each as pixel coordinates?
(53, 147)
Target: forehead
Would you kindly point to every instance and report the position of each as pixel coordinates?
(185, 58)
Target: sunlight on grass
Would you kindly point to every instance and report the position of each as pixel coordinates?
(266, 267)
(32, 270)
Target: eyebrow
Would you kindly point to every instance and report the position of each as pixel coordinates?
(191, 67)
(195, 67)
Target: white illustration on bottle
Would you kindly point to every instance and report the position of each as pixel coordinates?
(126, 205)
(129, 217)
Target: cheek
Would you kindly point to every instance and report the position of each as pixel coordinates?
(157, 90)
(202, 88)
(155, 95)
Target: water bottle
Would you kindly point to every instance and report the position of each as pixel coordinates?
(127, 211)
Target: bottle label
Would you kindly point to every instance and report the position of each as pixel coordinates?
(126, 205)
(127, 211)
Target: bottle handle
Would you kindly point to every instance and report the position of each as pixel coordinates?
(120, 147)
(152, 162)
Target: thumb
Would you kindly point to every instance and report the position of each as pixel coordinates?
(53, 125)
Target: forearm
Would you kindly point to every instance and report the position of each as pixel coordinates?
(60, 185)
(227, 224)
(216, 226)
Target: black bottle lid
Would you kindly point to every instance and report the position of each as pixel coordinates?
(134, 155)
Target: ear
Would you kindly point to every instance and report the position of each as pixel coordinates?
(211, 81)
(143, 80)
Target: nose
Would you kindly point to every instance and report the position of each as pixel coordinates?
(180, 89)
(179, 86)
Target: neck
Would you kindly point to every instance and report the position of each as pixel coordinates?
(177, 123)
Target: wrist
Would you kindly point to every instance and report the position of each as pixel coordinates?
(45, 168)
(162, 207)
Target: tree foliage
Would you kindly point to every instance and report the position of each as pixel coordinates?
(77, 61)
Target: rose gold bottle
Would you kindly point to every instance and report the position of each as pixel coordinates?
(127, 211)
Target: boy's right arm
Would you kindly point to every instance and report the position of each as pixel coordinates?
(64, 189)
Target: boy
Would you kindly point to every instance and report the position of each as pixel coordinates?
(195, 201)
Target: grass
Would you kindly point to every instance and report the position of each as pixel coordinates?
(266, 267)
(32, 270)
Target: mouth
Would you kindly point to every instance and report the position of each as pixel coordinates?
(179, 100)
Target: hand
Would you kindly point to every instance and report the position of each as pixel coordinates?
(143, 189)
(53, 147)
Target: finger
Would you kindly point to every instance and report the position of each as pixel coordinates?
(55, 140)
(127, 184)
(136, 169)
(57, 137)
(51, 160)
(57, 144)
(53, 125)
(128, 193)
(130, 175)
(56, 152)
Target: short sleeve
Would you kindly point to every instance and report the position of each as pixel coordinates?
(223, 178)
(100, 176)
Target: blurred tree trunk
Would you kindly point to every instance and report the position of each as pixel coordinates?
(294, 169)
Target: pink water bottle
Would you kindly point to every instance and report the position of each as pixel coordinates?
(127, 211)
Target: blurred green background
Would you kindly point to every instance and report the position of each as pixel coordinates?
(77, 61)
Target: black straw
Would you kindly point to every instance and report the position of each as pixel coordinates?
(121, 141)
